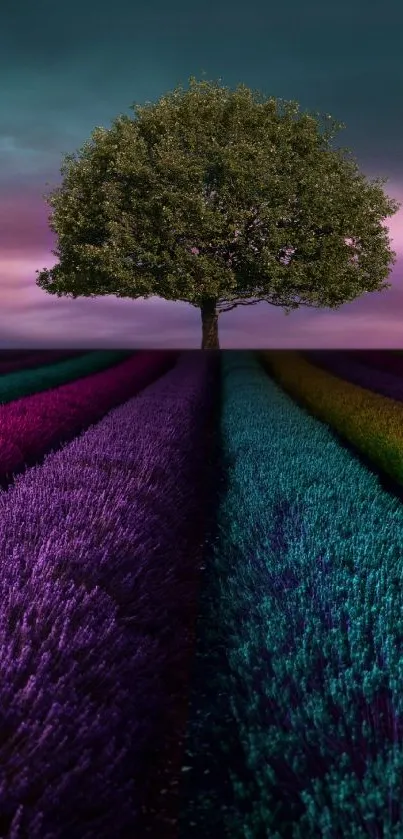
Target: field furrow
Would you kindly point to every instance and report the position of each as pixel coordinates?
(303, 609)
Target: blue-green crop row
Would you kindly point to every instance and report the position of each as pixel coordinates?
(24, 382)
(306, 602)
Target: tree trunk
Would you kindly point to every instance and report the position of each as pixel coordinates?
(209, 316)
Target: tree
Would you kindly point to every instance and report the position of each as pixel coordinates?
(218, 198)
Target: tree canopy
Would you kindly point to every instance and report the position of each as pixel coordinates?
(219, 198)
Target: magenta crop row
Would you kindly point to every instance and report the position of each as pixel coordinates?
(371, 378)
(32, 426)
(100, 555)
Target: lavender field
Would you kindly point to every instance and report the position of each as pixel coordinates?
(100, 552)
(200, 595)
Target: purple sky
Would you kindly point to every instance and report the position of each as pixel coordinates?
(65, 75)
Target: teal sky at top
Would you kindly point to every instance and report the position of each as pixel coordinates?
(67, 67)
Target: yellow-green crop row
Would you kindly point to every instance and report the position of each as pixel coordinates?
(372, 423)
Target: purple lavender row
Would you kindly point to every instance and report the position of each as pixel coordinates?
(100, 549)
(370, 378)
(36, 358)
(391, 361)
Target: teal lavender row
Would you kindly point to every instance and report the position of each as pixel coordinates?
(300, 633)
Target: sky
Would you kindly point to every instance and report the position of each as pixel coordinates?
(66, 68)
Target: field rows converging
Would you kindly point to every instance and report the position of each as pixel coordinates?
(31, 426)
(371, 422)
(100, 549)
(387, 383)
(305, 600)
(24, 382)
(201, 596)
(28, 360)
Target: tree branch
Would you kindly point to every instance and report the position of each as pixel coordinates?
(238, 303)
(280, 304)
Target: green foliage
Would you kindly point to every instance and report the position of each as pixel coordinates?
(221, 195)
